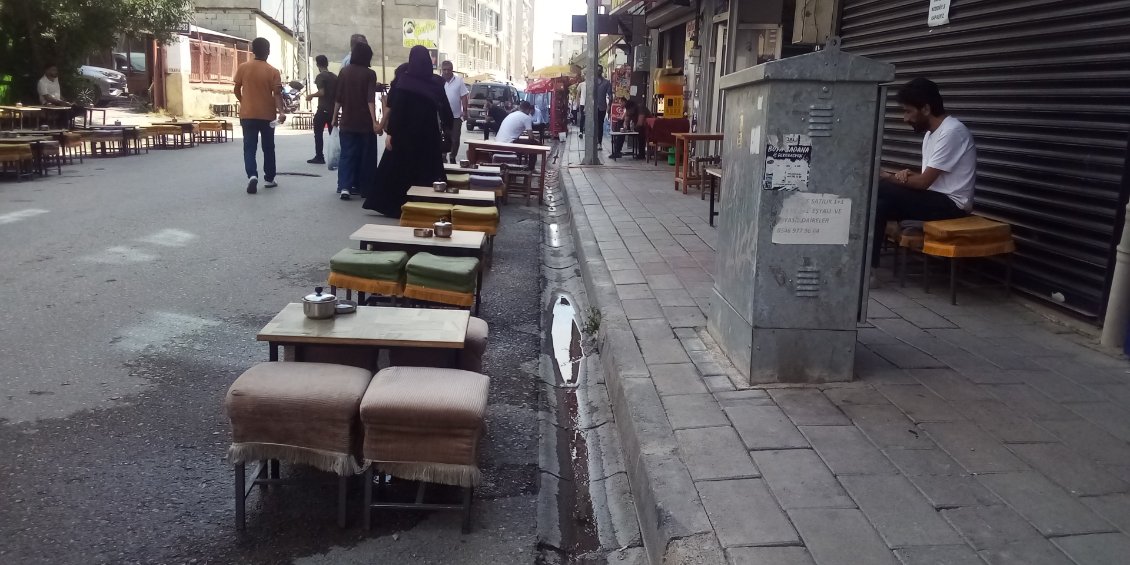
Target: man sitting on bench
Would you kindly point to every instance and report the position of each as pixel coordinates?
(943, 190)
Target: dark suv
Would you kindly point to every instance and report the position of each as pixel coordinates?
(501, 94)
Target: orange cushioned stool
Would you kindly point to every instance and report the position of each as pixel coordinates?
(964, 238)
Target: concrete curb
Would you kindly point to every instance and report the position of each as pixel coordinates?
(673, 522)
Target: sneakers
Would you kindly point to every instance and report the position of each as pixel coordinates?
(252, 183)
(270, 184)
(343, 195)
(355, 193)
(317, 161)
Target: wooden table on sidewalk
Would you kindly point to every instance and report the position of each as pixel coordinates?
(532, 151)
(465, 197)
(369, 326)
(462, 243)
(187, 130)
(37, 143)
(684, 142)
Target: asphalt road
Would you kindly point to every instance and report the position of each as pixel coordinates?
(133, 291)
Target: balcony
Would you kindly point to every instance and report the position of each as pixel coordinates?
(472, 26)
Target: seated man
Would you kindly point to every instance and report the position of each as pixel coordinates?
(51, 94)
(516, 123)
(496, 113)
(635, 119)
(943, 190)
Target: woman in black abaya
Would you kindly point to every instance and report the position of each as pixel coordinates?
(418, 114)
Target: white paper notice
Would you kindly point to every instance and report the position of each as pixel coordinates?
(939, 13)
(755, 141)
(787, 162)
(813, 219)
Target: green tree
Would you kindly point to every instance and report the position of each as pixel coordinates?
(35, 33)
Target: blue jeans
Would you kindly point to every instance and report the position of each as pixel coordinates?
(252, 129)
(349, 167)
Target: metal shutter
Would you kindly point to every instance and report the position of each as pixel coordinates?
(1044, 85)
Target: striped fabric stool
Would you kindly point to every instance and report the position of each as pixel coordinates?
(470, 358)
(424, 424)
(423, 214)
(475, 218)
(373, 272)
(492, 183)
(446, 280)
(301, 413)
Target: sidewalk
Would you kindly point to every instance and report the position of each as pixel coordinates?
(977, 433)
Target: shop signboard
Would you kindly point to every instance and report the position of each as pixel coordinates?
(420, 32)
(939, 13)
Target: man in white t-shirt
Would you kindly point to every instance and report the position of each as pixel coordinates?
(51, 94)
(516, 123)
(943, 189)
(581, 109)
(457, 95)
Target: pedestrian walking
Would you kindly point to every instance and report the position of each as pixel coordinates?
(354, 40)
(323, 116)
(602, 98)
(258, 88)
(355, 113)
(457, 96)
(418, 115)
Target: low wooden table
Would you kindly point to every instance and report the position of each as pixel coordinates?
(713, 177)
(187, 130)
(464, 197)
(23, 112)
(487, 170)
(37, 147)
(683, 144)
(462, 243)
(532, 151)
(632, 135)
(369, 326)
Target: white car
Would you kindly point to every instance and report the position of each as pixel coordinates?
(100, 86)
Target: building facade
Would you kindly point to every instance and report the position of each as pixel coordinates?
(1043, 87)
(567, 46)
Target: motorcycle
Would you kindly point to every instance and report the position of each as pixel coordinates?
(290, 96)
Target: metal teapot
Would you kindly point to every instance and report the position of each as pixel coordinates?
(319, 305)
(442, 228)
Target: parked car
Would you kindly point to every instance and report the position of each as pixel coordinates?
(98, 86)
(497, 93)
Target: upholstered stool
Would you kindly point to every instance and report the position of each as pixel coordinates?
(423, 214)
(447, 280)
(963, 238)
(373, 272)
(424, 424)
(302, 413)
(74, 144)
(475, 218)
(492, 183)
(507, 158)
(459, 180)
(470, 358)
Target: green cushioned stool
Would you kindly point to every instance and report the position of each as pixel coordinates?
(373, 272)
(447, 280)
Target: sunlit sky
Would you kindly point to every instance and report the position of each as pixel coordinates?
(550, 18)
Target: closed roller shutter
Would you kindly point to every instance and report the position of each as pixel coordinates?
(1045, 88)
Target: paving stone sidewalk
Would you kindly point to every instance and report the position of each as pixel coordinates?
(977, 433)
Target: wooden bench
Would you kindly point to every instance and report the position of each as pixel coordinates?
(961, 238)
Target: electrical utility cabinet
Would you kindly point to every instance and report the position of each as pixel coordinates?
(800, 165)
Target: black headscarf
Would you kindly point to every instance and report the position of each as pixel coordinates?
(418, 76)
(361, 54)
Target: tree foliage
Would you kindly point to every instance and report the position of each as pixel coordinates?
(35, 33)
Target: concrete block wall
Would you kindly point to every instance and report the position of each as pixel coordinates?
(333, 21)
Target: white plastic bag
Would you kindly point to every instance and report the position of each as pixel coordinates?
(333, 150)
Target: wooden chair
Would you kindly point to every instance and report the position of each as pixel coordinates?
(19, 156)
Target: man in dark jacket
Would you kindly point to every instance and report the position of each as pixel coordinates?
(326, 83)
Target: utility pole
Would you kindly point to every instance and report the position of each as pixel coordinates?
(589, 127)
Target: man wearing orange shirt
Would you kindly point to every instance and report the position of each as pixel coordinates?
(258, 87)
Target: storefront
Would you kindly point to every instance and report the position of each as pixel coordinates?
(1045, 89)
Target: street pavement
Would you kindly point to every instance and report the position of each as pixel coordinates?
(135, 287)
(979, 433)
